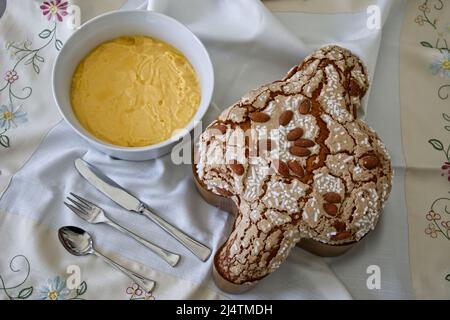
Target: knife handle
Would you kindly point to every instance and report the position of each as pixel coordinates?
(197, 248)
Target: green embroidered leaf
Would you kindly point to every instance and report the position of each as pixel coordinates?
(447, 128)
(4, 141)
(36, 68)
(426, 44)
(446, 117)
(25, 293)
(28, 61)
(45, 33)
(82, 288)
(436, 144)
(58, 44)
(39, 58)
(447, 277)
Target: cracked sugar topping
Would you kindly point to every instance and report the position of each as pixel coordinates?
(298, 164)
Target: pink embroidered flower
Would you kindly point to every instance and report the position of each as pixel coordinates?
(420, 20)
(424, 8)
(446, 225)
(11, 76)
(134, 290)
(446, 167)
(54, 8)
(431, 230)
(432, 216)
(149, 296)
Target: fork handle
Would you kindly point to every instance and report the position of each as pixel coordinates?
(143, 282)
(170, 257)
(200, 250)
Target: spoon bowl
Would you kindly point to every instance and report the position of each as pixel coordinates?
(77, 241)
(80, 243)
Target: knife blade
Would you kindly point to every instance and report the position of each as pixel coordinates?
(107, 186)
(126, 200)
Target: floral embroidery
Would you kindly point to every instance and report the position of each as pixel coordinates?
(446, 168)
(18, 291)
(12, 113)
(439, 146)
(446, 225)
(55, 289)
(437, 226)
(438, 217)
(431, 230)
(136, 293)
(11, 76)
(53, 9)
(424, 18)
(441, 65)
(432, 216)
(10, 117)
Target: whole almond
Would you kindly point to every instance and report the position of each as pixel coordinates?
(296, 168)
(355, 90)
(342, 235)
(332, 197)
(281, 167)
(285, 117)
(221, 127)
(294, 134)
(237, 168)
(306, 143)
(305, 107)
(299, 151)
(339, 226)
(259, 116)
(330, 208)
(370, 162)
(223, 192)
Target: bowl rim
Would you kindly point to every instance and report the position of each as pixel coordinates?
(198, 116)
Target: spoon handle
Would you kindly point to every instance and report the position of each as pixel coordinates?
(142, 281)
(170, 257)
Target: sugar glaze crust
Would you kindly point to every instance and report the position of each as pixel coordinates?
(297, 163)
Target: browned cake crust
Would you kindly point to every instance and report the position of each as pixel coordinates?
(297, 164)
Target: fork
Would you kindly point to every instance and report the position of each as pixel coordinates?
(91, 213)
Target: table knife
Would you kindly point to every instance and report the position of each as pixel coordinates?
(129, 202)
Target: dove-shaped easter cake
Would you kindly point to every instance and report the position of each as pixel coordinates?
(296, 166)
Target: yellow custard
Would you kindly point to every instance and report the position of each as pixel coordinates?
(134, 91)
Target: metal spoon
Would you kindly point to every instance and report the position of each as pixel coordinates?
(79, 243)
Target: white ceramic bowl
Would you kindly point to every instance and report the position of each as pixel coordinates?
(134, 22)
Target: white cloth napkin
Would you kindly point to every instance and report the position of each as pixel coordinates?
(248, 47)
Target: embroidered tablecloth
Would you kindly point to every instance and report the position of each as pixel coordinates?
(408, 106)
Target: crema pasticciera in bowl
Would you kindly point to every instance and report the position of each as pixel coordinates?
(134, 91)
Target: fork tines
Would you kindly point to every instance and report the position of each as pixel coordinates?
(82, 206)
